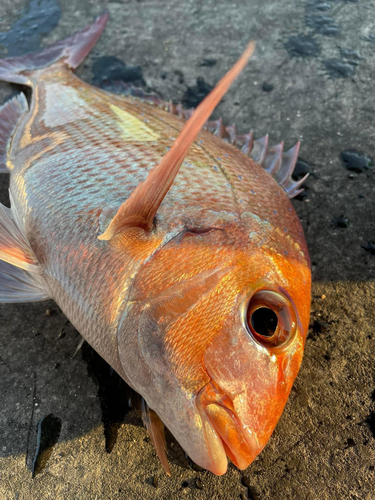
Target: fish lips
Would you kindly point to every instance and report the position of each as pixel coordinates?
(225, 435)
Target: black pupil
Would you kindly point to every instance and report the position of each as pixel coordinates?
(264, 321)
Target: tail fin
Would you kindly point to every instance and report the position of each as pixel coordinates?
(70, 51)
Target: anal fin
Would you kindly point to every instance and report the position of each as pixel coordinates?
(10, 115)
(155, 428)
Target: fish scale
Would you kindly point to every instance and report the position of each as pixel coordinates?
(170, 250)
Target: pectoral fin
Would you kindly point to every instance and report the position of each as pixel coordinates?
(140, 208)
(20, 272)
(14, 247)
(18, 285)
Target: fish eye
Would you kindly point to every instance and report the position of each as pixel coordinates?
(271, 318)
(264, 321)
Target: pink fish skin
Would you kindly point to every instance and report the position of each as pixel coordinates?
(178, 257)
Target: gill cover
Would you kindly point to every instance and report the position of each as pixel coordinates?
(140, 208)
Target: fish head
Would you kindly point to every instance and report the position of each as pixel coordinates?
(221, 323)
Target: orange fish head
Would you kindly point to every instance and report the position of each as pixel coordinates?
(252, 366)
(221, 325)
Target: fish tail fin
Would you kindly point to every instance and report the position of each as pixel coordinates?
(70, 51)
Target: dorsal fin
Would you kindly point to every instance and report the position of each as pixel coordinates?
(10, 116)
(140, 208)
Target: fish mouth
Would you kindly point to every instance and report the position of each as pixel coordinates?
(225, 435)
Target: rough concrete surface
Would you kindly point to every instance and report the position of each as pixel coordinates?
(311, 79)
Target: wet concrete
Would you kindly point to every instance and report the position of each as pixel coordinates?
(324, 445)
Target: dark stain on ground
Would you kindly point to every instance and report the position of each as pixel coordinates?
(48, 431)
(38, 19)
(301, 169)
(319, 5)
(208, 63)
(350, 443)
(350, 54)
(267, 87)
(341, 221)
(322, 24)
(370, 421)
(302, 46)
(180, 76)
(194, 95)
(338, 68)
(319, 326)
(251, 491)
(109, 70)
(355, 161)
(113, 394)
(369, 247)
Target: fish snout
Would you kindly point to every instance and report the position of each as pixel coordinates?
(226, 436)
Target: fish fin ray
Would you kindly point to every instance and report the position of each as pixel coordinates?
(259, 150)
(140, 208)
(14, 247)
(71, 51)
(79, 347)
(10, 115)
(19, 285)
(155, 428)
(278, 164)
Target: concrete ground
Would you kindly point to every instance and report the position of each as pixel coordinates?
(311, 79)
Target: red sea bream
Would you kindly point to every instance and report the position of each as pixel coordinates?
(171, 246)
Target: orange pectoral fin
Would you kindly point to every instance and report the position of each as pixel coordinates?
(15, 256)
(140, 208)
(14, 247)
(20, 274)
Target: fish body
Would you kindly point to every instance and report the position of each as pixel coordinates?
(204, 314)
